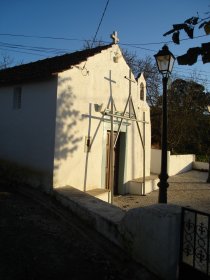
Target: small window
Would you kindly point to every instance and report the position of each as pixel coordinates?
(141, 91)
(17, 96)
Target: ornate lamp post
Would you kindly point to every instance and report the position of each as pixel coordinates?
(165, 61)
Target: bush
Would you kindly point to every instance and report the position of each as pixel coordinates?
(202, 158)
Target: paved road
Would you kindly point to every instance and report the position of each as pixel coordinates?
(186, 189)
(41, 240)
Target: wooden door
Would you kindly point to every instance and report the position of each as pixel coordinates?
(115, 161)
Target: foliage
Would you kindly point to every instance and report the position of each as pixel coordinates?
(5, 61)
(89, 44)
(202, 158)
(188, 118)
(188, 26)
(150, 71)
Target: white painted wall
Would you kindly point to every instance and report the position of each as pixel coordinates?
(176, 163)
(27, 134)
(153, 235)
(201, 165)
(48, 132)
(155, 161)
(180, 163)
(78, 90)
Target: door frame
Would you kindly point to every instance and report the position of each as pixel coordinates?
(116, 161)
(123, 156)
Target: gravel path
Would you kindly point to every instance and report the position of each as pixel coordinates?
(186, 189)
(41, 240)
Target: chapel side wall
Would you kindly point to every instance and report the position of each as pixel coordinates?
(75, 120)
(144, 114)
(147, 141)
(83, 87)
(27, 134)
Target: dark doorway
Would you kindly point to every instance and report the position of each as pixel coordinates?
(116, 159)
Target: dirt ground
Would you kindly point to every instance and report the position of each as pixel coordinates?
(187, 189)
(39, 239)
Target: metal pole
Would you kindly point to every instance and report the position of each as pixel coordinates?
(130, 93)
(127, 102)
(144, 154)
(163, 184)
(208, 179)
(142, 142)
(118, 132)
(126, 118)
(112, 151)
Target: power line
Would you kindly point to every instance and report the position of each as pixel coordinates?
(94, 38)
(191, 70)
(163, 42)
(100, 22)
(204, 81)
(24, 52)
(39, 50)
(33, 48)
(40, 37)
(42, 51)
(134, 45)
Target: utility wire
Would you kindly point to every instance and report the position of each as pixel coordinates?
(163, 42)
(94, 38)
(40, 37)
(25, 52)
(81, 40)
(42, 51)
(179, 68)
(33, 48)
(100, 23)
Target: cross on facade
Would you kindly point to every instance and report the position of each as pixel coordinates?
(110, 78)
(114, 37)
(110, 86)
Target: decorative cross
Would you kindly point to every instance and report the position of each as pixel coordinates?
(110, 86)
(114, 37)
(110, 78)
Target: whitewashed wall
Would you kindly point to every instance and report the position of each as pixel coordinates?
(201, 165)
(27, 134)
(80, 88)
(47, 135)
(156, 161)
(176, 163)
(180, 163)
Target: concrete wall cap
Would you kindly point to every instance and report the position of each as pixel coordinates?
(161, 209)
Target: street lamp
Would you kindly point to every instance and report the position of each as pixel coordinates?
(208, 179)
(165, 61)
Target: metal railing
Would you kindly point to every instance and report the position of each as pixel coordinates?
(195, 243)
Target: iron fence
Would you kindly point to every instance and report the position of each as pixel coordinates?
(195, 243)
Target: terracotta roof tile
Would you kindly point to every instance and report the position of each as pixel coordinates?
(43, 69)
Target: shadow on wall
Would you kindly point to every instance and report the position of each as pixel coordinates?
(67, 135)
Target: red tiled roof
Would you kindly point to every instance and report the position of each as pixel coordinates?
(43, 69)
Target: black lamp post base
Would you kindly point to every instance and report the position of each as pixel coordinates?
(163, 185)
(208, 179)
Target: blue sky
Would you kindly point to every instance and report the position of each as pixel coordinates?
(137, 22)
